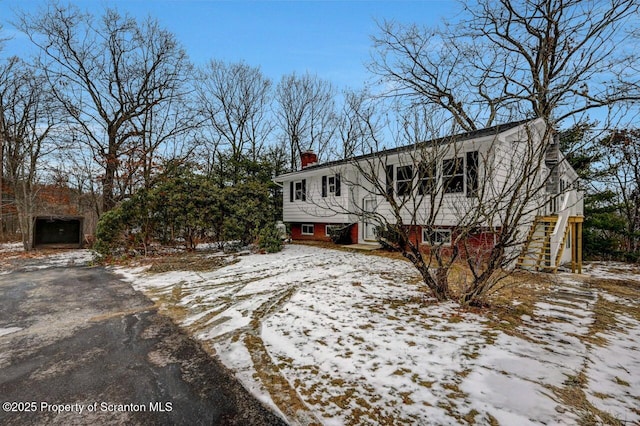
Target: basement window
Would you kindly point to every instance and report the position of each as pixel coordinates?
(307, 229)
(436, 236)
(330, 228)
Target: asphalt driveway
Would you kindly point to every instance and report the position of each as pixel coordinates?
(80, 346)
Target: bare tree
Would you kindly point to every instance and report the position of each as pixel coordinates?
(106, 75)
(469, 196)
(514, 59)
(405, 199)
(28, 119)
(2, 125)
(234, 101)
(359, 123)
(511, 60)
(166, 133)
(306, 114)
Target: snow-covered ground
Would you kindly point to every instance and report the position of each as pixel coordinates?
(11, 247)
(349, 338)
(13, 254)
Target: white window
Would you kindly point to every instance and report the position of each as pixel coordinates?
(332, 184)
(453, 175)
(404, 180)
(307, 229)
(299, 191)
(329, 228)
(436, 236)
(427, 178)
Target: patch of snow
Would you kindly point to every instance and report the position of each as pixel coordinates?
(11, 247)
(614, 373)
(612, 270)
(9, 330)
(357, 342)
(236, 358)
(78, 257)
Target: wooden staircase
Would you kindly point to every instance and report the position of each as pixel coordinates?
(563, 243)
(536, 253)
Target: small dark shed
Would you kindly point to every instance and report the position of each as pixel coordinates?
(58, 231)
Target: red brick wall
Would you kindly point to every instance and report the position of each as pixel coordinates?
(354, 233)
(478, 244)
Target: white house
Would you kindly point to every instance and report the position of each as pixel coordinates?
(470, 179)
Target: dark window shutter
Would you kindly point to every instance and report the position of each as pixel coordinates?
(304, 190)
(472, 174)
(337, 184)
(389, 174)
(324, 186)
(291, 192)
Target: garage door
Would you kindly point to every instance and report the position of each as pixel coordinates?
(58, 231)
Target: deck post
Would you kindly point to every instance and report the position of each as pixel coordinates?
(574, 245)
(579, 248)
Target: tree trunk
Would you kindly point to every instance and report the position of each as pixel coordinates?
(440, 285)
(108, 184)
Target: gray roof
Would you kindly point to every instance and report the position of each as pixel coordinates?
(494, 130)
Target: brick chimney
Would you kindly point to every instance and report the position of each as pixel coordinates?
(308, 158)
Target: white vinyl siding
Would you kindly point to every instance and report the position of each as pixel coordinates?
(498, 158)
(314, 207)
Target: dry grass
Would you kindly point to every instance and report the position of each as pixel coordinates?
(198, 262)
(606, 312)
(573, 395)
(514, 299)
(511, 302)
(282, 394)
(518, 286)
(604, 320)
(620, 288)
(169, 304)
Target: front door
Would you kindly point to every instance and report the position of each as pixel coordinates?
(368, 225)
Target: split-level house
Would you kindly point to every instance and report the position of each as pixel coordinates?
(480, 180)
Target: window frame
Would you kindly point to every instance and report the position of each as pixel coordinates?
(330, 225)
(407, 183)
(299, 193)
(331, 184)
(437, 231)
(447, 179)
(427, 182)
(302, 227)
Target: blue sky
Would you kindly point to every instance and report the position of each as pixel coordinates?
(327, 38)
